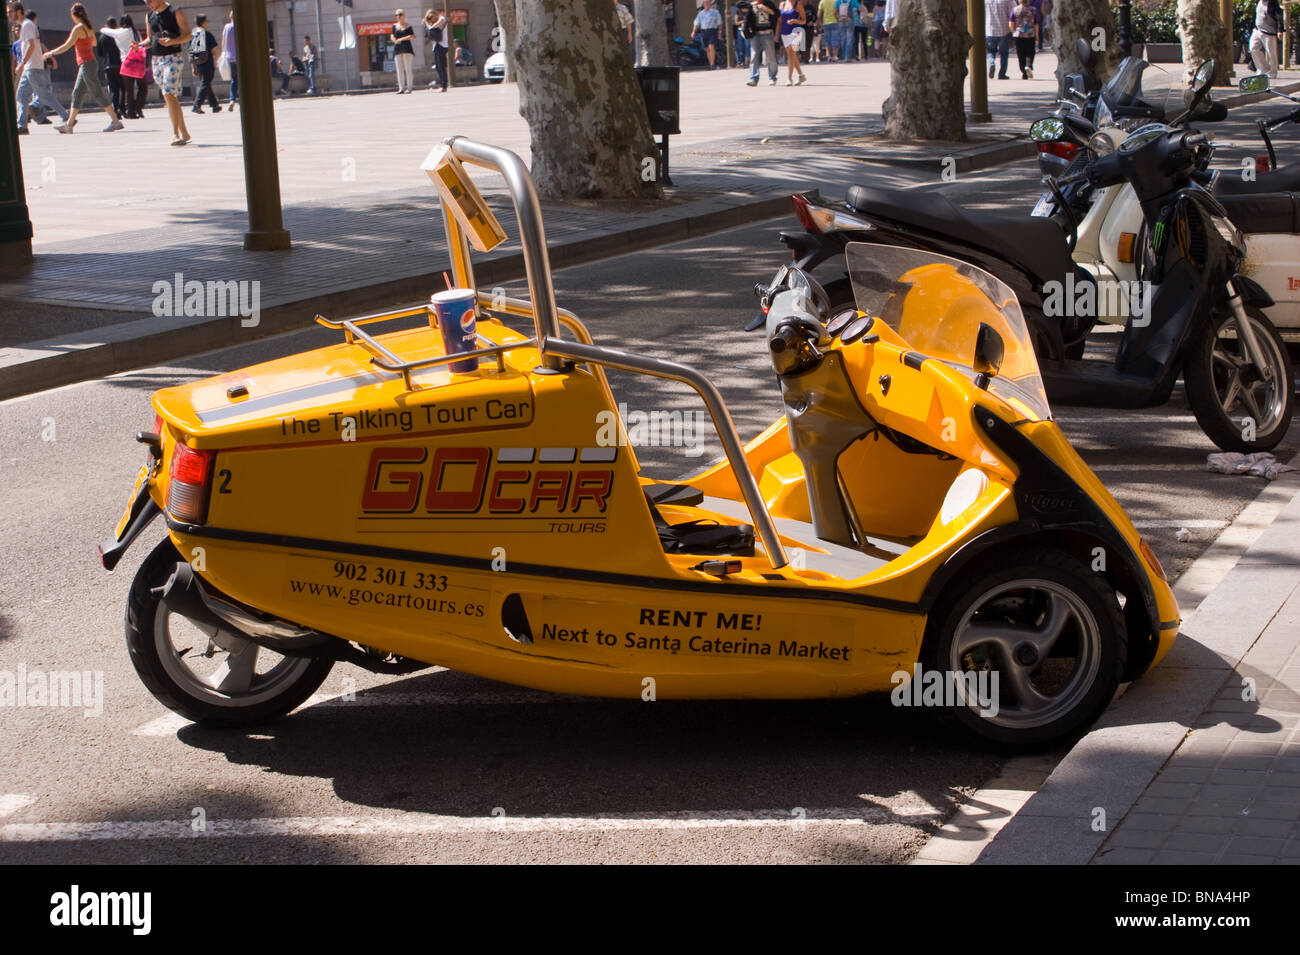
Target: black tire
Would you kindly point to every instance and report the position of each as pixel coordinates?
(1032, 586)
(298, 677)
(1214, 361)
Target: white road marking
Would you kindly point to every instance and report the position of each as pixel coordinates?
(10, 803)
(430, 824)
(1157, 525)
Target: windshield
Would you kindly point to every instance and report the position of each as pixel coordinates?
(937, 304)
(1125, 85)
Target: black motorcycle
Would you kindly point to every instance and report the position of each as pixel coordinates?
(1193, 311)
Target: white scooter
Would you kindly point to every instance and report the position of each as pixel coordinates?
(1107, 239)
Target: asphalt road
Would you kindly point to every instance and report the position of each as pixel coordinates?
(446, 767)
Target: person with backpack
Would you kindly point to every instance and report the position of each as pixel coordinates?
(202, 65)
(844, 10)
(760, 30)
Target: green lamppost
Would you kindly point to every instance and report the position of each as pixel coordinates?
(15, 224)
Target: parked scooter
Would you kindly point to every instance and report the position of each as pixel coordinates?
(691, 53)
(1193, 309)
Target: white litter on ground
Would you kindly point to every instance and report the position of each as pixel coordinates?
(1261, 464)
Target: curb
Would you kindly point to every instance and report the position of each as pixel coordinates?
(982, 157)
(1111, 766)
(98, 353)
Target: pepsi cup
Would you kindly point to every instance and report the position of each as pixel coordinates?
(456, 321)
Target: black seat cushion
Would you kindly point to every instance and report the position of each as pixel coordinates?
(1034, 244)
(1271, 212)
(1286, 179)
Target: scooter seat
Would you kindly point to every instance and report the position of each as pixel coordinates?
(1035, 245)
(1286, 179)
(1270, 212)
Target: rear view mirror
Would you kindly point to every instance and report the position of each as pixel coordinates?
(1083, 50)
(989, 349)
(1254, 84)
(1204, 76)
(1047, 130)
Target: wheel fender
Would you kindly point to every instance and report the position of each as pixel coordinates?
(1251, 292)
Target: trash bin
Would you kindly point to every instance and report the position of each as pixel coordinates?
(660, 87)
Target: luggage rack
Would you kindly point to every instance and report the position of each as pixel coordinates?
(547, 317)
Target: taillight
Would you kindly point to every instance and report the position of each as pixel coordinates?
(1060, 148)
(188, 484)
(806, 220)
(1261, 163)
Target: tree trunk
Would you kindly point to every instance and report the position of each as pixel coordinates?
(927, 67)
(1205, 38)
(506, 20)
(651, 34)
(586, 116)
(1075, 19)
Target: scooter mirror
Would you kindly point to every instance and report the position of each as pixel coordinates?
(1047, 130)
(989, 350)
(1203, 77)
(1254, 84)
(1083, 50)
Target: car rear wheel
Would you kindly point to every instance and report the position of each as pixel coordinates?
(211, 675)
(1040, 644)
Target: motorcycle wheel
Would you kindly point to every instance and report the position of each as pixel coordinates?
(211, 676)
(1220, 381)
(1051, 633)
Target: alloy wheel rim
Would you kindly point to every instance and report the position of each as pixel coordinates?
(229, 674)
(1241, 385)
(1042, 641)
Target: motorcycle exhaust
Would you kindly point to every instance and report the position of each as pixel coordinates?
(188, 596)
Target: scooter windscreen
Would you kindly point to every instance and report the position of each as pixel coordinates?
(937, 305)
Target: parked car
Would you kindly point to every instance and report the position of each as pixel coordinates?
(494, 70)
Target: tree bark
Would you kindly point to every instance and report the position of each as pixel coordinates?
(1204, 37)
(651, 34)
(927, 68)
(506, 20)
(1075, 19)
(582, 102)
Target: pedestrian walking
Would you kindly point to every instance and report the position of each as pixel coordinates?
(830, 29)
(435, 34)
(844, 27)
(202, 65)
(997, 35)
(881, 35)
(1024, 28)
(110, 61)
(793, 19)
(1263, 40)
(34, 86)
(134, 88)
(228, 54)
(82, 38)
(403, 53)
(862, 23)
(166, 35)
(762, 25)
(309, 64)
(1044, 23)
(707, 26)
(739, 14)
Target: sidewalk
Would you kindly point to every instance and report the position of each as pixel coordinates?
(1199, 761)
(86, 307)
